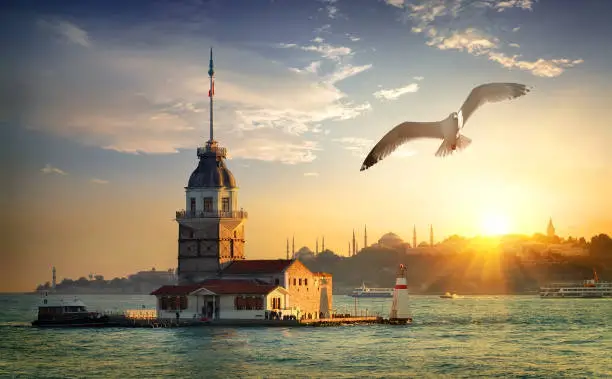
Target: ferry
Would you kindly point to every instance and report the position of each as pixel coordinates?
(67, 312)
(590, 288)
(364, 291)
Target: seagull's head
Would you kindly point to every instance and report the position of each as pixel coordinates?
(454, 116)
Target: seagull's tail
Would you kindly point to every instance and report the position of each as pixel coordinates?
(446, 148)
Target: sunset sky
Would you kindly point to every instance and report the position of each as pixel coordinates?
(103, 104)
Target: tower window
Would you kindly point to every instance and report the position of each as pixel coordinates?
(208, 201)
(192, 205)
(225, 204)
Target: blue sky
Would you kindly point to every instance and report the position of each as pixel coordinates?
(105, 101)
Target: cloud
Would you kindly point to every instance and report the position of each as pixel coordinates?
(516, 29)
(48, 169)
(332, 10)
(358, 147)
(508, 4)
(395, 93)
(98, 181)
(440, 21)
(418, 78)
(514, 45)
(353, 37)
(339, 56)
(67, 31)
(541, 67)
(395, 3)
(137, 97)
(311, 174)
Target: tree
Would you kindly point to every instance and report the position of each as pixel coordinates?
(601, 245)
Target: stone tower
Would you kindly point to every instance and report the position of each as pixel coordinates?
(211, 227)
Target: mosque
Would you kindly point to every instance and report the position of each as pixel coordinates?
(216, 281)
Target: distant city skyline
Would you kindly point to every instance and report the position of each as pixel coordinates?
(102, 113)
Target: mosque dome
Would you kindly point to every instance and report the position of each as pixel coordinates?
(211, 172)
(391, 240)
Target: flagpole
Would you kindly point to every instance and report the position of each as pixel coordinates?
(211, 92)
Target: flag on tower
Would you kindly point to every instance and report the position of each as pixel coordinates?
(211, 91)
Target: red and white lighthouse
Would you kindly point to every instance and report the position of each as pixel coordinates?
(400, 309)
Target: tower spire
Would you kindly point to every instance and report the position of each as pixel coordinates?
(365, 236)
(431, 236)
(414, 237)
(354, 251)
(211, 92)
(293, 248)
(323, 245)
(287, 255)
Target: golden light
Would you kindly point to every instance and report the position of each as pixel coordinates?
(495, 224)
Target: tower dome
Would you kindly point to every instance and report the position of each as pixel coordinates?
(212, 171)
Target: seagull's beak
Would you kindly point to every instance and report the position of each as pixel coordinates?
(363, 167)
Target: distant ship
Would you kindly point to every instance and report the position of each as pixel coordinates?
(591, 288)
(448, 295)
(364, 291)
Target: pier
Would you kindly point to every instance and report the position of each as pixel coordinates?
(148, 319)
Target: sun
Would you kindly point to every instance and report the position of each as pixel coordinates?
(495, 224)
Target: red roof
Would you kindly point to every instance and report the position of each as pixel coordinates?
(219, 287)
(177, 290)
(257, 266)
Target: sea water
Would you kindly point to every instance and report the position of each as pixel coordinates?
(470, 337)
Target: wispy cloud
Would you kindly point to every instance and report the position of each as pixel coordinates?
(48, 169)
(134, 97)
(311, 174)
(514, 45)
(330, 8)
(437, 21)
(358, 147)
(418, 78)
(68, 31)
(339, 56)
(549, 68)
(395, 93)
(98, 181)
(352, 37)
(395, 3)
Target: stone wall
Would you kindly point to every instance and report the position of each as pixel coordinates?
(305, 288)
(203, 247)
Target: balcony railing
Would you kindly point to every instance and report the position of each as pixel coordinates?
(183, 214)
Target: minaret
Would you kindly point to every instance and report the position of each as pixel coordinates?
(431, 240)
(354, 251)
(293, 248)
(287, 254)
(365, 236)
(54, 282)
(323, 245)
(349, 249)
(414, 237)
(211, 227)
(550, 230)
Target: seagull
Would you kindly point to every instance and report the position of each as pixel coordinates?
(448, 129)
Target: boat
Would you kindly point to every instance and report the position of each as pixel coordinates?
(67, 312)
(364, 291)
(448, 295)
(590, 289)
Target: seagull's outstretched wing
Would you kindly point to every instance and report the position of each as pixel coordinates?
(490, 93)
(402, 133)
